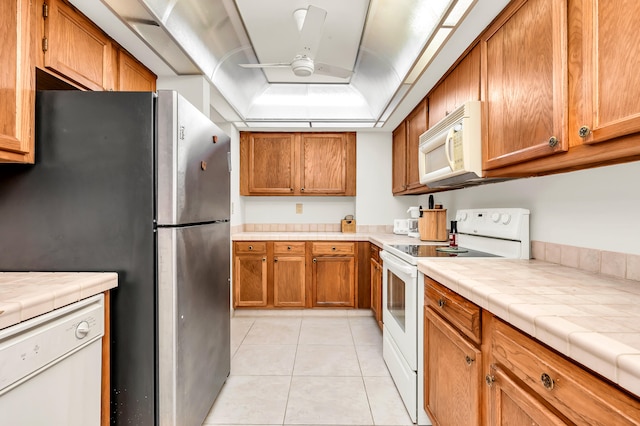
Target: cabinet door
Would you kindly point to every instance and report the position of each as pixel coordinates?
(524, 83)
(376, 291)
(510, 404)
(610, 79)
(267, 162)
(289, 281)
(453, 375)
(250, 280)
(399, 154)
(333, 281)
(323, 164)
(17, 80)
(133, 76)
(75, 48)
(416, 125)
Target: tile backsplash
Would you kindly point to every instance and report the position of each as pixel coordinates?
(619, 265)
(308, 227)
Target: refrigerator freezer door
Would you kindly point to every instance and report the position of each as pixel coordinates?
(193, 170)
(193, 314)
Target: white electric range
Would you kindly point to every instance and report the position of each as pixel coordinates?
(494, 232)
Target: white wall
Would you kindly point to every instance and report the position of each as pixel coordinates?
(194, 88)
(595, 208)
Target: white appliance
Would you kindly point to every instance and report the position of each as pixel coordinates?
(450, 152)
(51, 367)
(492, 232)
(407, 227)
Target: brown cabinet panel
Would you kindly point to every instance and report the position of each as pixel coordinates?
(524, 83)
(416, 126)
(77, 49)
(298, 164)
(250, 280)
(333, 281)
(333, 248)
(289, 248)
(453, 374)
(376, 283)
(133, 76)
(289, 281)
(510, 404)
(607, 70)
(399, 158)
(250, 247)
(17, 80)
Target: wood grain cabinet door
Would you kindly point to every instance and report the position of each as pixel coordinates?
(250, 280)
(289, 281)
(17, 80)
(268, 163)
(452, 374)
(416, 126)
(399, 158)
(524, 57)
(75, 48)
(605, 70)
(333, 281)
(324, 163)
(133, 76)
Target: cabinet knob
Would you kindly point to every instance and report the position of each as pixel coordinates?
(275, 260)
(584, 131)
(547, 381)
(553, 141)
(315, 260)
(333, 248)
(441, 303)
(250, 247)
(302, 189)
(288, 247)
(469, 360)
(264, 259)
(489, 379)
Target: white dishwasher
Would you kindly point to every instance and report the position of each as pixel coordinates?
(50, 367)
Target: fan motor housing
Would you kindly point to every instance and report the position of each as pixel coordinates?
(302, 66)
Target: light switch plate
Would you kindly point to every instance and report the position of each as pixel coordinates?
(298, 208)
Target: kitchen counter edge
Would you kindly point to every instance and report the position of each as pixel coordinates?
(25, 295)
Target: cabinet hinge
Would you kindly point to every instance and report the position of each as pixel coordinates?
(45, 44)
(45, 10)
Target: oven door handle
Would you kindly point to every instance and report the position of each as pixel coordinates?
(393, 263)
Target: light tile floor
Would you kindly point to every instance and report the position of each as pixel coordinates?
(307, 367)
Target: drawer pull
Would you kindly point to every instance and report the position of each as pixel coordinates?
(469, 360)
(315, 260)
(441, 303)
(547, 381)
(333, 248)
(250, 247)
(489, 379)
(264, 259)
(288, 247)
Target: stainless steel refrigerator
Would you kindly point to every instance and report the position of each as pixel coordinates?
(136, 183)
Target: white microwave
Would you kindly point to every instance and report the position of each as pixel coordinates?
(451, 151)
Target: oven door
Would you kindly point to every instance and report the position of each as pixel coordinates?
(399, 305)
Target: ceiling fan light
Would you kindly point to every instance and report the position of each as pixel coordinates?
(302, 66)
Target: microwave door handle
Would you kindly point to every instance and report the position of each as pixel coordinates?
(447, 147)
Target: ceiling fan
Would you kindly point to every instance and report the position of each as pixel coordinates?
(310, 22)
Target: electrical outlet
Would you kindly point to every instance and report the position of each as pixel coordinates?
(298, 208)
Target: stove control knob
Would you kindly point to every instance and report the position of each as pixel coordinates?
(462, 217)
(506, 218)
(495, 217)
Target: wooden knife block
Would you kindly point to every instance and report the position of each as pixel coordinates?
(432, 226)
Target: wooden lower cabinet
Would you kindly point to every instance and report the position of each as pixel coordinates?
(333, 274)
(289, 273)
(452, 373)
(250, 280)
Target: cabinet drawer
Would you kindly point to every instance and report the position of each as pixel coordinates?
(454, 308)
(333, 248)
(576, 393)
(287, 247)
(251, 246)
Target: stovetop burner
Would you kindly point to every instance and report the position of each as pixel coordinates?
(418, 250)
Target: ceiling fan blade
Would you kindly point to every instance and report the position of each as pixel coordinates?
(311, 32)
(279, 65)
(332, 71)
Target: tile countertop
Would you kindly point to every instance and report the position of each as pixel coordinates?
(378, 239)
(24, 295)
(592, 319)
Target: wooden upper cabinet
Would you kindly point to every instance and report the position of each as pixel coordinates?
(132, 75)
(399, 159)
(297, 163)
(462, 84)
(605, 77)
(524, 85)
(75, 48)
(325, 159)
(416, 126)
(17, 80)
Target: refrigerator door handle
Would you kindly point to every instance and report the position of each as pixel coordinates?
(229, 161)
